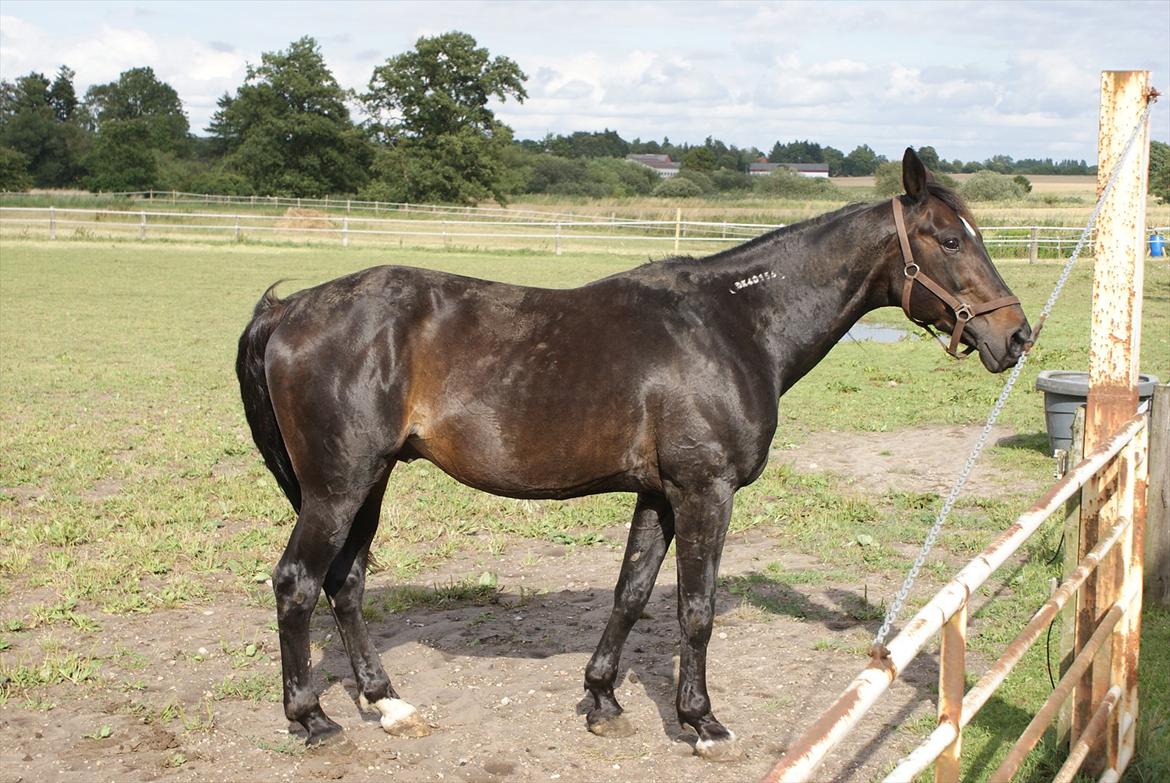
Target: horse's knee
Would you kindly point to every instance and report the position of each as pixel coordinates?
(346, 597)
(695, 622)
(296, 594)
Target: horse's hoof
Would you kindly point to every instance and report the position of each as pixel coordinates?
(322, 731)
(399, 718)
(413, 726)
(612, 728)
(721, 749)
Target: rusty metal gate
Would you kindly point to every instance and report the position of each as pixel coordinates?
(1106, 583)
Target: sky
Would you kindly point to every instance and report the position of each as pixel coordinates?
(971, 79)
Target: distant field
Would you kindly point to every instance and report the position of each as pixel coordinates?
(1066, 185)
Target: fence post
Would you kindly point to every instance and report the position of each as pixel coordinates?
(345, 232)
(558, 250)
(52, 222)
(1157, 589)
(142, 225)
(1033, 244)
(677, 227)
(1115, 340)
(1072, 549)
(952, 682)
(237, 228)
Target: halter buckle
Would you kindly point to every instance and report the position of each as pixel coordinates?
(910, 275)
(963, 313)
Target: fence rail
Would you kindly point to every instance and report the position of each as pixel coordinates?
(803, 756)
(521, 228)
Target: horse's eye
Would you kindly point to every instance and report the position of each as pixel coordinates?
(951, 243)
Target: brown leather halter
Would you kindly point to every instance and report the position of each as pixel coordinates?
(963, 311)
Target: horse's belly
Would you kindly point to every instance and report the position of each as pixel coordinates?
(538, 459)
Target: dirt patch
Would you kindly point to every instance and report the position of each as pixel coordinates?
(501, 681)
(918, 459)
(23, 494)
(193, 694)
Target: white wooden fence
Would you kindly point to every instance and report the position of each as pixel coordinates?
(426, 225)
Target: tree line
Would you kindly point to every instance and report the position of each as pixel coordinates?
(426, 135)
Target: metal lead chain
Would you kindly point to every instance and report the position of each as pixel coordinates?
(981, 441)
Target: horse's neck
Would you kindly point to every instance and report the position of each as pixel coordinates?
(825, 278)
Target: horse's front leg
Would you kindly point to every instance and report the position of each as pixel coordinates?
(701, 520)
(650, 534)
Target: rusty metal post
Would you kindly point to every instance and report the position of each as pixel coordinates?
(1157, 566)
(1072, 538)
(952, 682)
(1127, 643)
(1113, 364)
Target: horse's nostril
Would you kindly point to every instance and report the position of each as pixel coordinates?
(1022, 336)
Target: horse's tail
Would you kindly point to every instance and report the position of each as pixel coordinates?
(254, 390)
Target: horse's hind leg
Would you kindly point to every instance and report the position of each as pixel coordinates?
(345, 586)
(322, 528)
(650, 534)
(701, 526)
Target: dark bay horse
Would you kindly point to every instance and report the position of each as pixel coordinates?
(662, 381)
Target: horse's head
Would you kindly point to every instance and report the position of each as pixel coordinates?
(945, 278)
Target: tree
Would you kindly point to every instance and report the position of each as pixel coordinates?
(861, 162)
(122, 159)
(887, 179)
(797, 152)
(1160, 170)
(677, 187)
(40, 120)
(836, 160)
(287, 129)
(138, 96)
(987, 185)
(698, 159)
(13, 171)
(786, 183)
(929, 158)
(62, 98)
(430, 104)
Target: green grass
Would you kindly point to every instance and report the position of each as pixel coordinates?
(129, 482)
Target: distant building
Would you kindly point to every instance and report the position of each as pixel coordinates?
(815, 170)
(662, 165)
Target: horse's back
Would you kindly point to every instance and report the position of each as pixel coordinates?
(520, 391)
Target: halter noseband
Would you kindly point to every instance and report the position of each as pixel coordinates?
(963, 311)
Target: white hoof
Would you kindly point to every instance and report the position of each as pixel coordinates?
(399, 718)
(719, 750)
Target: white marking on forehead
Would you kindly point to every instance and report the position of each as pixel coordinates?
(967, 226)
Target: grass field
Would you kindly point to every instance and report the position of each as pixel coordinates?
(129, 483)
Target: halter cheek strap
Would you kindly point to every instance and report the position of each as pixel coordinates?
(964, 311)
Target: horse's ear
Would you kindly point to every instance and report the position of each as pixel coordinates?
(914, 175)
